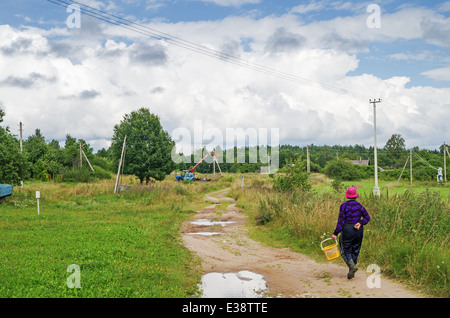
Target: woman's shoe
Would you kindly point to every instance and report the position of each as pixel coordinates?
(352, 269)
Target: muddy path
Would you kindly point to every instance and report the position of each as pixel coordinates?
(287, 274)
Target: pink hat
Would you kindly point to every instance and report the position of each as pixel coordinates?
(351, 193)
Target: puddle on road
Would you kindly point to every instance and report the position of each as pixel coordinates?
(207, 222)
(205, 233)
(244, 284)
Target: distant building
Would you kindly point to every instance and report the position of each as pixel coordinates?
(360, 162)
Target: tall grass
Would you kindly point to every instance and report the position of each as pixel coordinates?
(407, 235)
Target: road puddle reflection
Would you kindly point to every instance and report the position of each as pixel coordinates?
(244, 284)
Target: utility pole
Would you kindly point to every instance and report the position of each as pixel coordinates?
(406, 162)
(81, 156)
(120, 163)
(410, 167)
(20, 125)
(376, 189)
(308, 166)
(445, 164)
(21, 149)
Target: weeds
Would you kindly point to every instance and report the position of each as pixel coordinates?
(407, 235)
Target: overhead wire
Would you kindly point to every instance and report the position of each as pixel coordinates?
(226, 57)
(145, 30)
(423, 160)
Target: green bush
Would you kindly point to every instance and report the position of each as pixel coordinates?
(77, 175)
(343, 170)
(295, 178)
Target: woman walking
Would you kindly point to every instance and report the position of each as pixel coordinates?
(352, 217)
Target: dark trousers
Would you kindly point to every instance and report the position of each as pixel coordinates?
(350, 242)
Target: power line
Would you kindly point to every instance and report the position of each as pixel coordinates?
(145, 30)
(423, 160)
(225, 57)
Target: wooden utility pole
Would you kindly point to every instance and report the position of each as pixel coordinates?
(376, 189)
(81, 156)
(20, 125)
(410, 167)
(308, 166)
(89, 163)
(120, 164)
(403, 170)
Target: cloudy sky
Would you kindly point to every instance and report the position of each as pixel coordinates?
(306, 68)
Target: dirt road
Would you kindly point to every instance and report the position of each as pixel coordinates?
(287, 273)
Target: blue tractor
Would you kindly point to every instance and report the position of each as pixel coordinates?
(186, 175)
(5, 191)
(189, 174)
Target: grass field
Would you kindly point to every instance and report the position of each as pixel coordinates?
(125, 245)
(129, 245)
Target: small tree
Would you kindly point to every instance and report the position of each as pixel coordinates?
(395, 146)
(13, 163)
(295, 178)
(148, 146)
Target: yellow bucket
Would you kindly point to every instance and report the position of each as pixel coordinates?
(331, 251)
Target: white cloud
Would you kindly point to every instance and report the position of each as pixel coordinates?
(230, 3)
(410, 56)
(439, 74)
(305, 8)
(83, 85)
(445, 7)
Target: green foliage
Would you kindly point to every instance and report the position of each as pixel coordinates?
(13, 163)
(148, 146)
(337, 185)
(39, 171)
(77, 175)
(295, 178)
(343, 170)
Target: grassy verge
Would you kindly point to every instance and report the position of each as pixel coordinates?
(407, 236)
(126, 245)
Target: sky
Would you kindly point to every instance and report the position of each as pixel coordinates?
(302, 70)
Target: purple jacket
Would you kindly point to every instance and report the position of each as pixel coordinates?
(351, 212)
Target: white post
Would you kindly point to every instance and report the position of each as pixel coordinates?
(445, 164)
(38, 195)
(376, 189)
(21, 150)
(242, 177)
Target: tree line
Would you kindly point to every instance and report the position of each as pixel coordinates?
(148, 156)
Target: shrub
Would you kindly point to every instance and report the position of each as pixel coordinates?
(295, 178)
(343, 170)
(77, 175)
